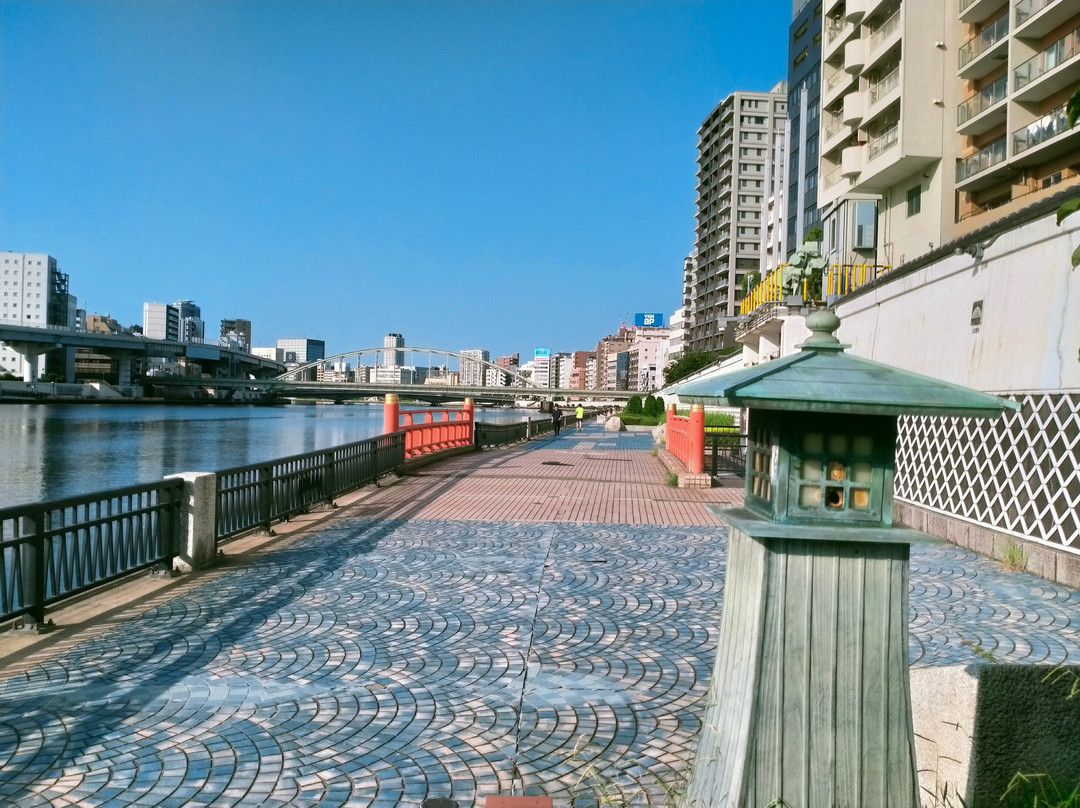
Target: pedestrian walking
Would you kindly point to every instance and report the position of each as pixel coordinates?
(556, 417)
(579, 413)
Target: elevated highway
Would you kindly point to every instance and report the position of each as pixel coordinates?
(31, 342)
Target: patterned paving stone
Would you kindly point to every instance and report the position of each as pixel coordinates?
(378, 664)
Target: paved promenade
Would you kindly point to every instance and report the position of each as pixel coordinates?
(536, 620)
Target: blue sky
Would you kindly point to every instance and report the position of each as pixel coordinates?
(503, 175)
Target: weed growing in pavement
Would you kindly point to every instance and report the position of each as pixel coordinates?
(1013, 557)
(1039, 791)
(979, 650)
(672, 479)
(655, 451)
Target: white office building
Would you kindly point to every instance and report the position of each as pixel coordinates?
(472, 371)
(35, 293)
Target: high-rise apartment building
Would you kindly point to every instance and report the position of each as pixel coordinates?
(472, 370)
(940, 117)
(393, 358)
(35, 293)
(803, 124)
(161, 321)
(736, 144)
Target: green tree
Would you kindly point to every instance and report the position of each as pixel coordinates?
(633, 406)
(653, 406)
(814, 234)
(689, 363)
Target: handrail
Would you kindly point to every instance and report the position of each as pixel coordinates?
(770, 289)
(1048, 126)
(259, 494)
(453, 429)
(842, 279)
(54, 550)
(982, 41)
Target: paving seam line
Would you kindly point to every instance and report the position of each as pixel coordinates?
(517, 781)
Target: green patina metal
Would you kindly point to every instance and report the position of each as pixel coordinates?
(810, 702)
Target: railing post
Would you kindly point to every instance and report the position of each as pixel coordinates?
(390, 414)
(33, 570)
(195, 545)
(266, 499)
(470, 417)
(329, 477)
(695, 463)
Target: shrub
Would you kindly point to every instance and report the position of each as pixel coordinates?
(653, 406)
(633, 406)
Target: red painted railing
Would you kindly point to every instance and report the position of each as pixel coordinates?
(430, 430)
(686, 437)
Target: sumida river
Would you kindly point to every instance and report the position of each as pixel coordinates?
(51, 451)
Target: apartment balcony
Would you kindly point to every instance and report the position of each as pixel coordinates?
(854, 107)
(1044, 139)
(835, 33)
(831, 178)
(884, 141)
(984, 110)
(985, 51)
(984, 168)
(833, 133)
(836, 83)
(855, 11)
(852, 160)
(1047, 72)
(883, 38)
(974, 12)
(882, 95)
(855, 56)
(1037, 18)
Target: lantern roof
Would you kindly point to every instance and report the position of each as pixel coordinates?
(823, 378)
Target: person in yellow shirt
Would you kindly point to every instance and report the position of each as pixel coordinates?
(579, 413)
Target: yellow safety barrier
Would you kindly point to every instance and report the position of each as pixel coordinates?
(769, 290)
(842, 279)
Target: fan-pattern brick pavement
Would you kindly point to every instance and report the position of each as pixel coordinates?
(431, 640)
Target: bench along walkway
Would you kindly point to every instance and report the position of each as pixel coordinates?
(537, 620)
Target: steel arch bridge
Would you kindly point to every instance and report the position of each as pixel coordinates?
(384, 357)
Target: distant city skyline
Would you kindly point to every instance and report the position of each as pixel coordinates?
(502, 176)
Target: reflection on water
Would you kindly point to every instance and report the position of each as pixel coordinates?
(51, 451)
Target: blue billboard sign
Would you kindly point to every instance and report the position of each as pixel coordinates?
(649, 320)
(541, 352)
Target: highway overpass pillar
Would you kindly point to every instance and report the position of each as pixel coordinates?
(29, 353)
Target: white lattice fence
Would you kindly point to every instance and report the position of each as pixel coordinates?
(1019, 474)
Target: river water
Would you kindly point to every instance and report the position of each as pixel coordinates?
(52, 451)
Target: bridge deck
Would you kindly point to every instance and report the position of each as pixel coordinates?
(540, 619)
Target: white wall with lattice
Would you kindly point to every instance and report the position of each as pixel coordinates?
(1018, 474)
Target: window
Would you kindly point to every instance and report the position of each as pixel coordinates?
(865, 225)
(914, 200)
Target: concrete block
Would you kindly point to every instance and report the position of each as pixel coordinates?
(978, 725)
(943, 716)
(198, 520)
(936, 525)
(1068, 570)
(502, 801)
(956, 531)
(1042, 560)
(981, 540)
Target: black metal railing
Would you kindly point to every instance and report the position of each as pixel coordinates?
(54, 550)
(490, 435)
(727, 450)
(258, 495)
